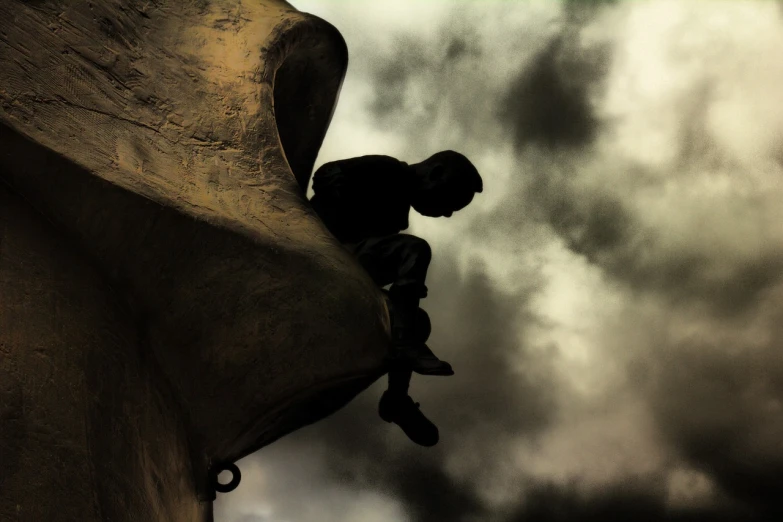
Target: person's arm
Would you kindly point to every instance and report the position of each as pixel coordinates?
(361, 197)
(391, 182)
(332, 201)
(329, 181)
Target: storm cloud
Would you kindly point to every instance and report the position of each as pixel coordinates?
(493, 399)
(612, 303)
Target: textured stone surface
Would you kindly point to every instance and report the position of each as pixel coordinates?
(167, 297)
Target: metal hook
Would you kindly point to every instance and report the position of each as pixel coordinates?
(236, 477)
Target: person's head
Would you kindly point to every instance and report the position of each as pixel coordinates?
(446, 183)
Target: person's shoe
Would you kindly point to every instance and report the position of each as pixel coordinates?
(424, 362)
(420, 359)
(408, 349)
(405, 413)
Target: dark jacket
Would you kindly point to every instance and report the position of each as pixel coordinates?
(363, 197)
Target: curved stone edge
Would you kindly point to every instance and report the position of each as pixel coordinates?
(310, 42)
(330, 260)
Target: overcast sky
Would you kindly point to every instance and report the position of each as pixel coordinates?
(612, 303)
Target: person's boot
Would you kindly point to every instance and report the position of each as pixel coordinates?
(402, 411)
(410, 331)
(421, 360)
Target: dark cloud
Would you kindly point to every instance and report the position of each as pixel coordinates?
(477, 330)
(549, 103)
(560, 183)
(596, 223)
(247, 517)
(637, 501)
(547, 106)
(429, 493)
(684, 277)
(393, 76)
(423, 82)
(698, 146)
(720, 408)
(457, 48)
(481, 330)
(549, 112)
(590, 223)
(579, 11)
(714, 402)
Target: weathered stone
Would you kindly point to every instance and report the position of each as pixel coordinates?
(167, 297)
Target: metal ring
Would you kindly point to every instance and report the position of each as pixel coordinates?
(236, 476)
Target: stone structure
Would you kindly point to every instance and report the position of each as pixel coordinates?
(168, 300)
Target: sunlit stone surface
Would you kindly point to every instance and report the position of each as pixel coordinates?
(167, 298)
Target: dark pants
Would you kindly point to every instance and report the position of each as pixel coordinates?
(400, 260)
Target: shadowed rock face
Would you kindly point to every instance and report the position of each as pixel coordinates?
(167, 297)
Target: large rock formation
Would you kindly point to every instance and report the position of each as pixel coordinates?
(168, 300)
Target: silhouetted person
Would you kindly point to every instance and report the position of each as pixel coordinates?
(365, 202)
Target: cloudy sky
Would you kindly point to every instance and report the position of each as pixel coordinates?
(612, 303)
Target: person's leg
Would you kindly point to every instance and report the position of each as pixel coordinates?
(401, 260)
(397, 406)
(409, 344)
(399, 381)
